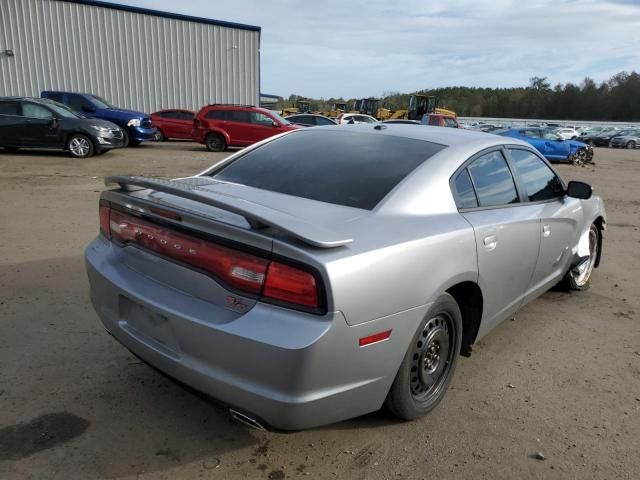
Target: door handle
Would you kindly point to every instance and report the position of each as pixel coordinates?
(546, 230)
(490, 242)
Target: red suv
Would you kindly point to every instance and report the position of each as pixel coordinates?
(222, 126)
(173, 124)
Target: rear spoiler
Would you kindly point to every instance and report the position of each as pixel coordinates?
(257, 215)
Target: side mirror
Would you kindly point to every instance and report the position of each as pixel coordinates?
(275, 124)
(88, 108)
(579, 190)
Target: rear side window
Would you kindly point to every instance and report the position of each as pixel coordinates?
(8, 108)
(492, 180)
(238, 116)
(466, 196)
(216, 114)
(355, 169)
(540, 183)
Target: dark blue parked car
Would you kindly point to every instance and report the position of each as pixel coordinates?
(135, 125)
(550, 144)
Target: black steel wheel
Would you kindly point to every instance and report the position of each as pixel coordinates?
(428, 366)
(215, 142)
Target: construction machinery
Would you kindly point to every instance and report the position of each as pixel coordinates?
(302, 106)
(419, 105)
(336, 109)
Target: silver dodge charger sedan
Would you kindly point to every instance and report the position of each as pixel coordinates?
(323, 273)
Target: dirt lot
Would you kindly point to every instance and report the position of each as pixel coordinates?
(562, 379)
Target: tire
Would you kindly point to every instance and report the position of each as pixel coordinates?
(133, 143)
(12, 149)
(591, 143)
(424, 376)
(631, 145)
(102, 152)
(580, 157)
(125, 138)
(80, 146)
(581, 279)
(159, 136)
(215, 142)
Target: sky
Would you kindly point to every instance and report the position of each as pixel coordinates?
(358, 48)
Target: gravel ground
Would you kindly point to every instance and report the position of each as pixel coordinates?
(555, 393)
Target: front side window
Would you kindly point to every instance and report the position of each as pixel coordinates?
(323, 121)
(261, 119)
(77, 103)
(450, 122)
(549, 135)
(493, 181)
(540, 183)
(33, 110)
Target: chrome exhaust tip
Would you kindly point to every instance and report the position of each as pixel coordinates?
(246, 419)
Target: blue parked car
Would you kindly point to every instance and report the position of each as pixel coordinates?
(135, 125)
(550, 144)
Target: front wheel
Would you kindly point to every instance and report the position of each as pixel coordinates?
(215, 142)
(580, 157)
(579, 278)
(80, 146)
(631, 144)
(429, 363)
(158, 136)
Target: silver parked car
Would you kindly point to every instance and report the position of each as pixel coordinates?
(323, 273)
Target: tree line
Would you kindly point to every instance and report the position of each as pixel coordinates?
(617, 99)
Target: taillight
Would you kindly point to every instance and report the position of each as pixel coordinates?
(291, 285)
(260, 277)
(105, 211)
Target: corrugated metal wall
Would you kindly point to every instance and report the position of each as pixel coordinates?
(136, 61)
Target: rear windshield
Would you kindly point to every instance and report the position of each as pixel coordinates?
(355, 169)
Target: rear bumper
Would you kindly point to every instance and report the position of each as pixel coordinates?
(288, 369)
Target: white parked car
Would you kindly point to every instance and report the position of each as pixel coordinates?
(567, 133)
(352, 118)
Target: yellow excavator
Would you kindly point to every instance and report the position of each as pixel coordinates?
(302, 106)
(419, 105)
(336, 109)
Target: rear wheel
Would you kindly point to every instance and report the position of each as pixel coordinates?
(429, 363)
(631, 144)
(215, 142)
(591, 143)
(80, 146)
(579, 278)
(133, 142)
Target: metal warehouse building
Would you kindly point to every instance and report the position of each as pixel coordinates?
(136, 58)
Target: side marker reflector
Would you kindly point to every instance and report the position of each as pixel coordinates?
(375, 338)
